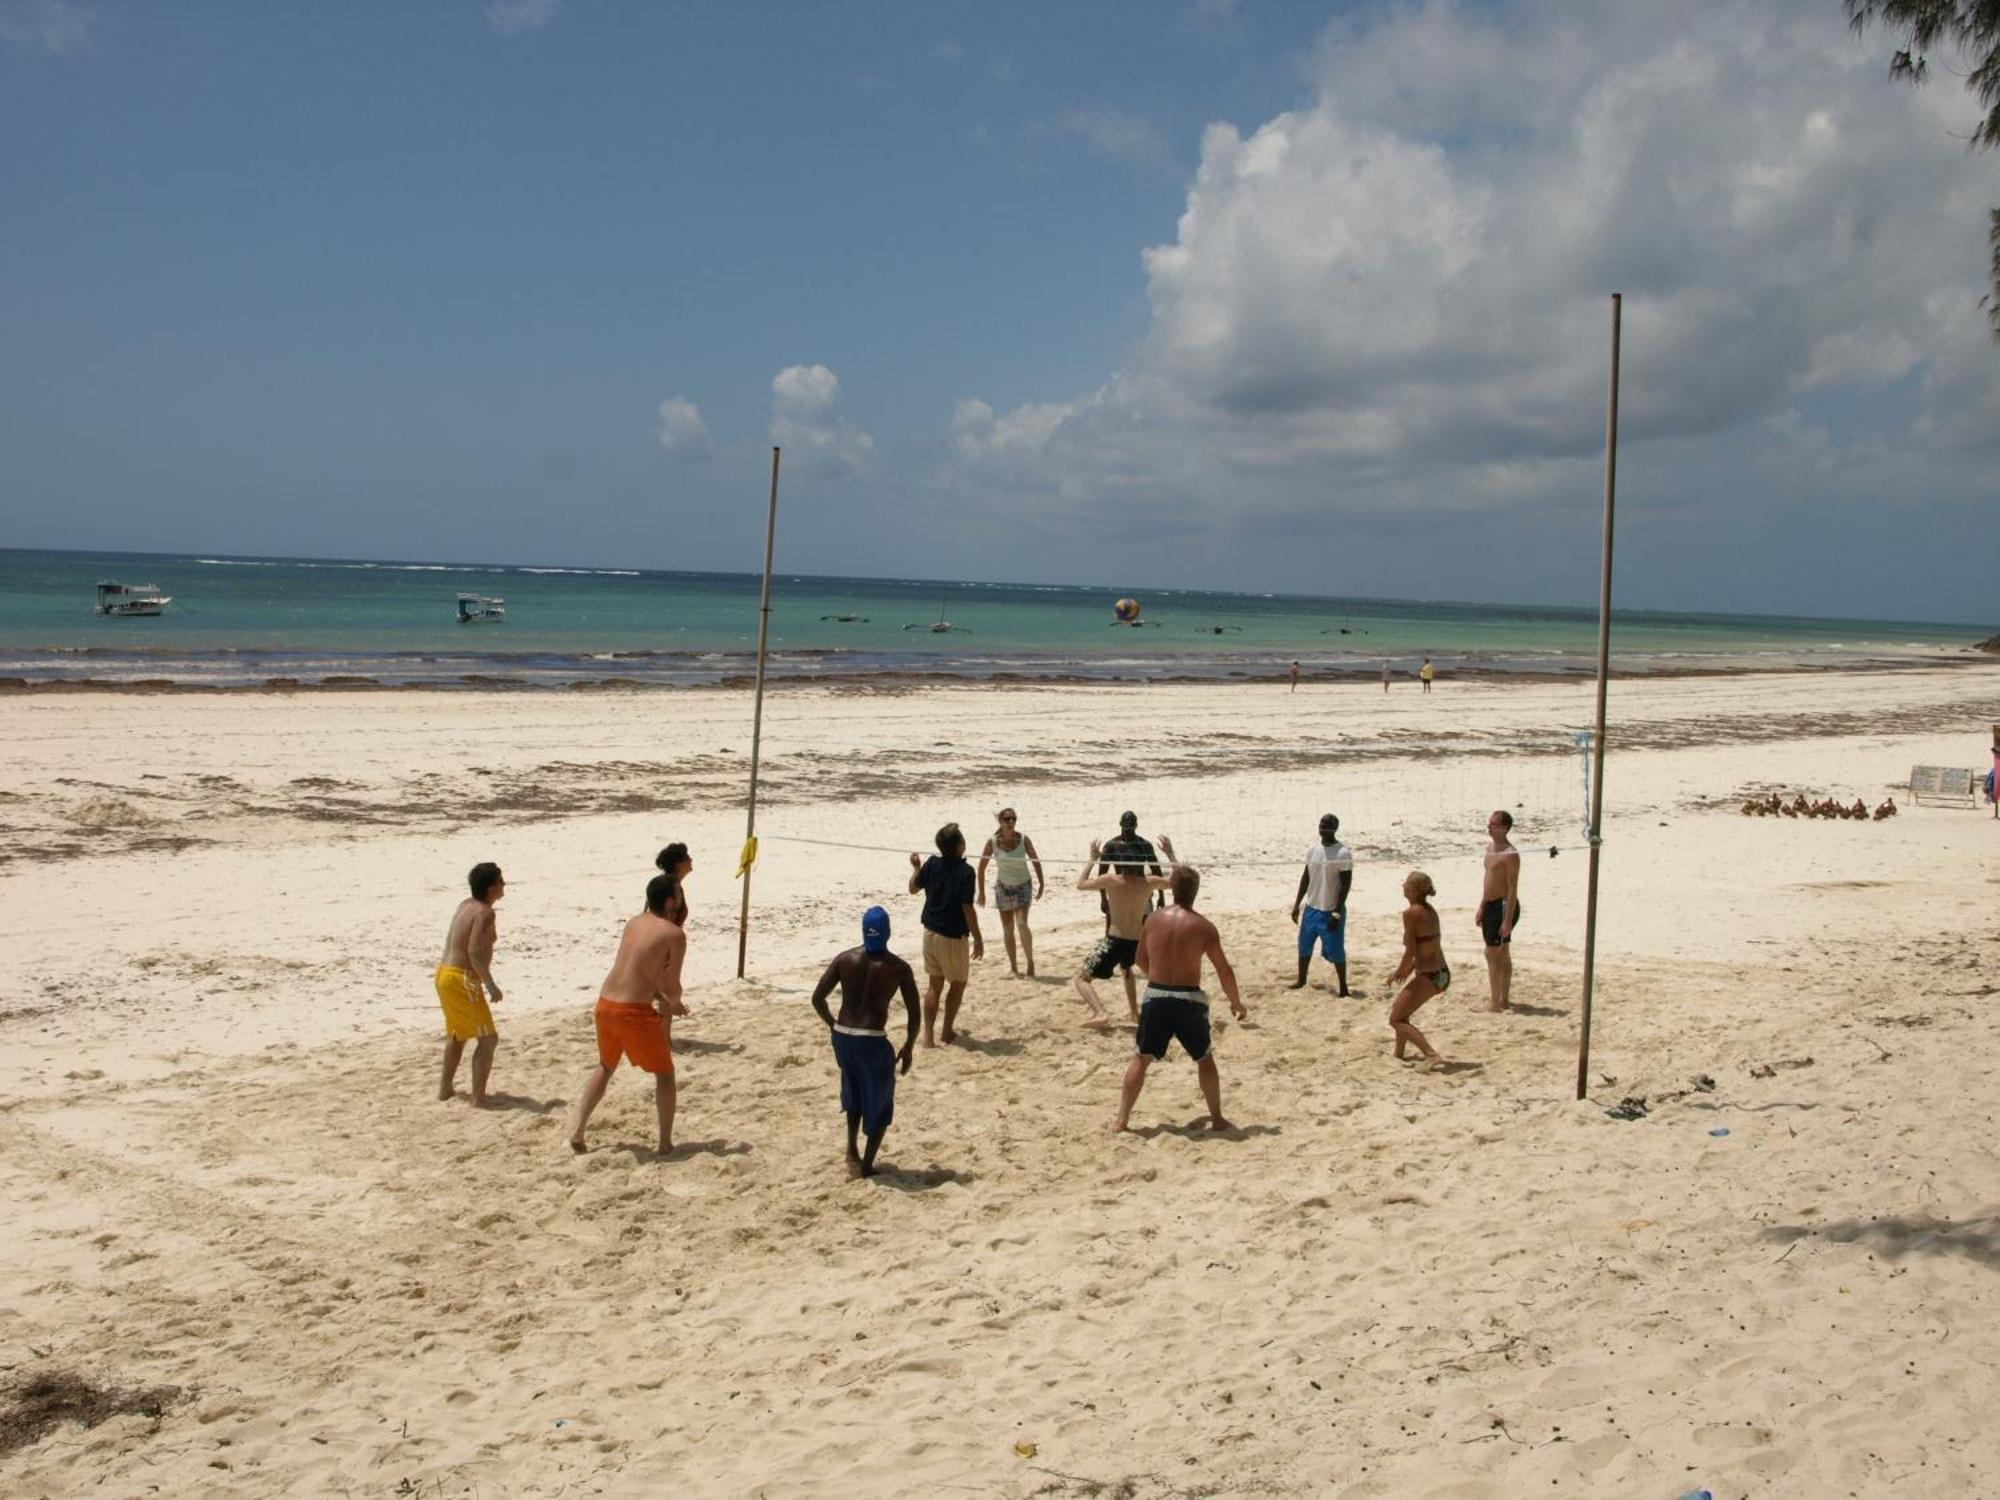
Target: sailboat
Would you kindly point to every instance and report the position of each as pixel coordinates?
(938, 626)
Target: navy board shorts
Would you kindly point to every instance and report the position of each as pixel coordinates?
(1491, 913)
(867, 1078)
(1170, 1015)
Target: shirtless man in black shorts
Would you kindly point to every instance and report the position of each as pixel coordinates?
(1128, 893)
(1171, 947)
(1499, 908)
(869, 978)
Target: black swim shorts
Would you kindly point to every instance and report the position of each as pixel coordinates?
(1491, 913)
(1167, 1016)
(1111, 953)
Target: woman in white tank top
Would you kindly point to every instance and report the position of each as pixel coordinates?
(1017, 881)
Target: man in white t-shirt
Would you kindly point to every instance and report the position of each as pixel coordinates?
(1323, 886)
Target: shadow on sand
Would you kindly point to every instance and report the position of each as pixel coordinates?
(991, 1046)
(1898, 1235)
(684, 1149)
(525, 1104)
(918, 1179)
(1197, 1130)
(695, 1048)
(1517, 1008)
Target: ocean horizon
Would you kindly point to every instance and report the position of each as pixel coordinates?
(254, 622)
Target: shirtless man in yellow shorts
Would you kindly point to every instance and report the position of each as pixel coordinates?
(636, 1006)
(465, 982)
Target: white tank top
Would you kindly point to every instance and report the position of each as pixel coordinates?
(1011, 865)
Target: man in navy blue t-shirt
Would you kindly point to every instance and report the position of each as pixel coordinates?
(949, 915)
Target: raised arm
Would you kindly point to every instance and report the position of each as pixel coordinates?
(916, 869)
(1085, 881)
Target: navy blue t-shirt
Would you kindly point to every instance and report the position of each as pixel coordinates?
(947, 886)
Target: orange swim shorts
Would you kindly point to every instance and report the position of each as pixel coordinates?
(635, 1031)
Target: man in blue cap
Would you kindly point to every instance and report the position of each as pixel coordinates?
(869, 978)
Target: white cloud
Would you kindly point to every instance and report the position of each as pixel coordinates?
(803, 398)
(1395, 296)
(517, 17)
(681, 427)
(60, 27)
(1108, 131)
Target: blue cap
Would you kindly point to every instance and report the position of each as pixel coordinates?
(875, 930)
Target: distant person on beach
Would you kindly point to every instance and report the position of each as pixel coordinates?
(1171, 947)
(1499, 907)
(1294, 675)
(465, 982)
(675, 860)
(1423, 966)
(1425, 673)
(1323, 887)
(1385, 677)
(636, 1005)
(1128, 895)
(1017, 882)
(949, 916)
(870, 977)
(1993, 777)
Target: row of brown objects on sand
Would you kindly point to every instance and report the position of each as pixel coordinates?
(1802, 806)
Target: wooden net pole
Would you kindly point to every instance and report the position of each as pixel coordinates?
(757, 723)
(1603, 684)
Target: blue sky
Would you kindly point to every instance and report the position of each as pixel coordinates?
(1246, 295)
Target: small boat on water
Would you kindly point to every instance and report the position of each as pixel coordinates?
(477, 609)
(122, 599)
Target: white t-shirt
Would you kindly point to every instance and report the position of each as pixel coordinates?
(1324, 862)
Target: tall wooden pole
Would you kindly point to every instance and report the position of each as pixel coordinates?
(757, 719)
(1603, 684)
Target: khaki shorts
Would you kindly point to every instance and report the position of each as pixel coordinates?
(949, 957)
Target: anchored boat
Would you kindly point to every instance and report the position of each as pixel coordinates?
(477, 609)
(131, 599)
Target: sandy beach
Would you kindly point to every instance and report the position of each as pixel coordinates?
(227, 1181)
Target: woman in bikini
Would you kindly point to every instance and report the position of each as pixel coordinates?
(1017, 881)
(1423, 966)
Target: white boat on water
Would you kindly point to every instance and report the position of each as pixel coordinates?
(131, 599)
(477, 609)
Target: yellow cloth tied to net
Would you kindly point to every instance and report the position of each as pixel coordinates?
(747, 858)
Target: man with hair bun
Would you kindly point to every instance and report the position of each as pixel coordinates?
(465, 983)
(636, 1005)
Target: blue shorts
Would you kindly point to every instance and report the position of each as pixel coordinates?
(1331, 931)
(867, 1079)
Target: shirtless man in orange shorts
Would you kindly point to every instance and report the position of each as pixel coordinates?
(636, 1006)
(465, 982)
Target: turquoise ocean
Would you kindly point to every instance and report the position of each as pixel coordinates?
(253, 622)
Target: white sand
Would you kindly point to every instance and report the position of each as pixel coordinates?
(222, 1168)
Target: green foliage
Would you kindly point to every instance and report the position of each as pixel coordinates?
(1971, 29)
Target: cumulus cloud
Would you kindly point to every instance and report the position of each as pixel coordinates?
(1395, 296)
(681, 428)
(803, 398)
(59, 27)
(516, 17)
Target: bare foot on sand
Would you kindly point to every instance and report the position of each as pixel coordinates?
(1097, 1022)
(576, 1145)
(1216, 1122)
(447, 1092)
(1299, 986)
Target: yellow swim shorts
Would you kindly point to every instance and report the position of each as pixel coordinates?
(466, 1014)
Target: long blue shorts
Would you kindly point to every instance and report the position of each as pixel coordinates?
(1330, 931)
(867, 1079)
